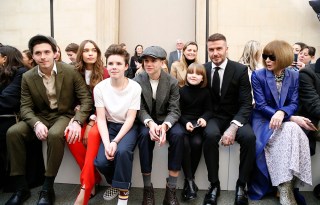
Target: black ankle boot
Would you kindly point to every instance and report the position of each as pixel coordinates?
(189, 190)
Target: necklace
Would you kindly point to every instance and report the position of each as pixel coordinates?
(279, 78)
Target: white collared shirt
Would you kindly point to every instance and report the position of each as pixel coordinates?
(49, 84)
(220, 71)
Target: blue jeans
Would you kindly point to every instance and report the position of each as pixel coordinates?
(119, 171)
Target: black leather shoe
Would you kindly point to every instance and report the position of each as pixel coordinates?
(18, 197)
(316, 191)
(211, 197)
(189, 190)
(241, 196)
(46, 197)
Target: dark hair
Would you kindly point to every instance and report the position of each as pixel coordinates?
(135, 50)
(117, 50)
(217, 37)
(13, 63)
(73, 47)
(29, 55)
(97, 71)
(122, 45)
(302, 45)
(311, 51)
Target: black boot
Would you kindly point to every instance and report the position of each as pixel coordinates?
(189, 190)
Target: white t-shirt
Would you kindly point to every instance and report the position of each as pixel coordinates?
(87, 75)
(117, 103)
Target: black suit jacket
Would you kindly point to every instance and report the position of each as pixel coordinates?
(309, 92)
(236, 99)
(309, 97)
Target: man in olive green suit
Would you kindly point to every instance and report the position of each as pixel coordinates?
(49, 93)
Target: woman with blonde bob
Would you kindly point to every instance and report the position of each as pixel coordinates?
(195, 113)
(251, 56)
(282, 148)
(179, 68)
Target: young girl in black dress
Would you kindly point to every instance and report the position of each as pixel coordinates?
(196, 110)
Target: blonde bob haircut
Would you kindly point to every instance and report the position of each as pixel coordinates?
(282, 51)
(200, 70)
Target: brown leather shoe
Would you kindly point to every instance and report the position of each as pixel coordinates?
(170, 197)
(148, 196)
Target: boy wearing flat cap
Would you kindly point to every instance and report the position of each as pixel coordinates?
(158, 115)
(49, 93)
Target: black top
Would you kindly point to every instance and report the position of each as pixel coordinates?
(195, 103)
(10, 94)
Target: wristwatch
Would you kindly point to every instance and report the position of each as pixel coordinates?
(77, 121)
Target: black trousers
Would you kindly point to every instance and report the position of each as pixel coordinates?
(245, 137)
(35, 166)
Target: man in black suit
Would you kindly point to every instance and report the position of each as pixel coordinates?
(232, 105)
(309, 96)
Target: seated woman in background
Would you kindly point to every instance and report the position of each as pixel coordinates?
(297, 47)
(11, 70)
(179, 68)
(28, 61)
(196, 110)
(251, 56)
(90, 66)
(131, 71)
(117, 100)
(305, 57)
(282, 148)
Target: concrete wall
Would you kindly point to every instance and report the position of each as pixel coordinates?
(264, 21)
(156, 23)
(115, 21)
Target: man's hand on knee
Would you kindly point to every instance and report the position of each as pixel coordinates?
(41, 131)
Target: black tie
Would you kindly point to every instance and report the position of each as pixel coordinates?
(216, 82)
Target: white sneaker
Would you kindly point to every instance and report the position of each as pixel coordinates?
(110, 193)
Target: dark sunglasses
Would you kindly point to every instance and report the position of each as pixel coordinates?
(271, 57)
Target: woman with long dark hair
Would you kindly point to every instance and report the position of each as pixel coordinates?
(90, 65)
(11, 70)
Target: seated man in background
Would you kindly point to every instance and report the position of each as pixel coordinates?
(48, 95)
(72, 50)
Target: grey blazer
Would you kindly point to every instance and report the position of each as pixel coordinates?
(167, 98)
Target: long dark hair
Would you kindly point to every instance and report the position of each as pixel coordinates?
(13, 63)
(97, 71)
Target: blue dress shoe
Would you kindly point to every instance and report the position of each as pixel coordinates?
(46, 197)
(241, 196)
(18, 197)
(211, 197)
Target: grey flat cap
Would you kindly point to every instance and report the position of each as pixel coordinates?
(155, 52)
(42, 39)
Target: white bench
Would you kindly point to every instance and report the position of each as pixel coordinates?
(69, 171)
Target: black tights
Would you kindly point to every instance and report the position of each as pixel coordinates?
(192, 152)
